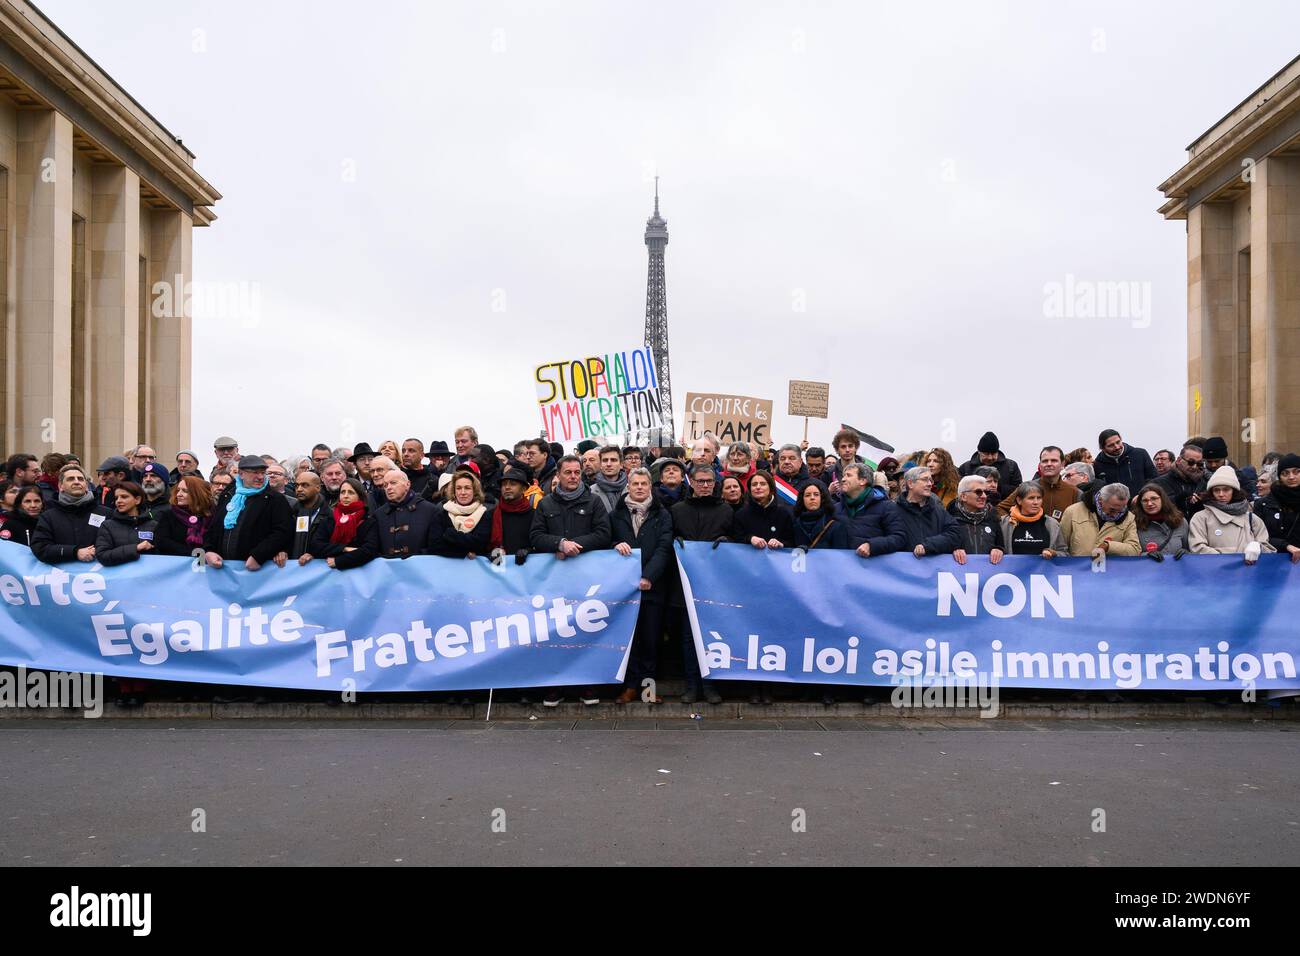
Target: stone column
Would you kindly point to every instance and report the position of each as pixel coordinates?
(43, 300)
(1211, 320)
(114, 312)
(170, 342)
(1275, 304)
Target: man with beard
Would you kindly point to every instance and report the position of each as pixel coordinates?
(512, 519)
(332, 477)
(311, 511)
(1185, 482)
(153, 481)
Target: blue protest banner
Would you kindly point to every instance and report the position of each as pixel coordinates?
(832, 617)
(426, 623)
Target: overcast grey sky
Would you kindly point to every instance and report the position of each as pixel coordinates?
(914, 177)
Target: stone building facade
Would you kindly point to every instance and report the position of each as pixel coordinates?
(97, 204)
(1239, 192)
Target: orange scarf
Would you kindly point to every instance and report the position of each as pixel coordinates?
(1019, 518)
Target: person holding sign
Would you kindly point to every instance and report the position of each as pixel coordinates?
(68, 528)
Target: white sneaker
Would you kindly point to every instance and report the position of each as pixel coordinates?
(589, 701)
(551, 701)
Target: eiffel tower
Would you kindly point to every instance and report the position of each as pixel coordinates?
(656, 316)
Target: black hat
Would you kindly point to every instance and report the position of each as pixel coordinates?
(1288, 461)
(585, 446)
(361, 449)
(1215, 448)
(438, 448)
(516, 474)
(114, 463)
(251, 463)
(989, 444)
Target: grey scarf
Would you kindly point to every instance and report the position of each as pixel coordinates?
(71, 502)
(610, 486)
(638, 510)
(573, 495)
(1234, 508)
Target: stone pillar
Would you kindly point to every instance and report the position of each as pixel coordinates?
(114, 312)
(1211, 320)
(1275, 305)
(170, 342)
(43, 300)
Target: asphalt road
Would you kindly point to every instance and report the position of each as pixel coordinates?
(592, 792)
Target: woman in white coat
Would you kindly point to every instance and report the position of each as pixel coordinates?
(1226, 525)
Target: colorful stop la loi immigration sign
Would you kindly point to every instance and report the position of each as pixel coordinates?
(599, 395)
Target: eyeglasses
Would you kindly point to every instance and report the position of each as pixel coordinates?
(1194, 465)
(978, 494)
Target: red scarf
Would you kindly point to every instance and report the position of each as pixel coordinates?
(345, 522)
(514, 507)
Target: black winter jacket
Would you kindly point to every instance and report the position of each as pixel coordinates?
(1133, 468)
(1283, 525)
(1008, 471)
(930, 525)
(311, 535)
(450, 543)
(119, 537)
(658, 563)
(169, 536)
(63, 529)
(754, 521)
(703, 519)
(19, 528)
(265, 527)
(978, 535)
(584, 521)
(364, 547)
(406, 527)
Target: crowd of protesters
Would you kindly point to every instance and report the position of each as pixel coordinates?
(349, 506)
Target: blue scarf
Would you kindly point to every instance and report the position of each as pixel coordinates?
(236, 506)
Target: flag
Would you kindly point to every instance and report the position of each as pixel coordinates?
(1196, 399)
(784, 490)
(872, 442)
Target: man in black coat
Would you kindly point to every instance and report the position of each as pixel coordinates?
(640, 521)
(569, 520)
(413, 465)
(251, 521)
(930, 529)
(567, 523)
(988, 453)
(512, 519)
(406, 521)
(1127, 464)
(313, 519)
(704, 516)
(979, 526)
(1185, 483)
(67, 528)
